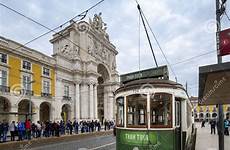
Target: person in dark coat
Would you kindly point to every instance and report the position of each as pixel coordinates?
(56, 128)
(1, 131)
(213, 126)
(203, 123)
(5, 130)
(75, 126)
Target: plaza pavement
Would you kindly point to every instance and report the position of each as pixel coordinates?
(207, 141)
(85, 141)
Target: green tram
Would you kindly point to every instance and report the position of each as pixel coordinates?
(152, 113)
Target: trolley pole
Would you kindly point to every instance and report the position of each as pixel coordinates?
(219, 58)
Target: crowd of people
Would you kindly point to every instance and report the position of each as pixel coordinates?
(214, 124)
(28, 130)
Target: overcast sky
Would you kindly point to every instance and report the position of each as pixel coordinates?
(183, 28)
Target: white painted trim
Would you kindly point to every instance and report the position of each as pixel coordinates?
(43, 70)
(145, 129)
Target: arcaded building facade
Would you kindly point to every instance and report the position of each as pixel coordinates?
(78, 81)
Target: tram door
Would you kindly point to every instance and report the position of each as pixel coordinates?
(178, 125)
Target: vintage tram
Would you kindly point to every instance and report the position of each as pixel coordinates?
(152, 112)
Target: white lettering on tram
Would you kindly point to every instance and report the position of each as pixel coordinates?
(135, 137)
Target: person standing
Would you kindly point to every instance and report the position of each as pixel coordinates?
(39, 129)
(28, 129)
(203, 123)
(1, 131)
(12, 131)
(5, 130)
(20, 131)
(75, 125)
(226, 126)
(213, 126)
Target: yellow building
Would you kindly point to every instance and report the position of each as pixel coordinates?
(27, 78)
(207, 112)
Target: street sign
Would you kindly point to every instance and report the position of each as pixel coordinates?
(214, 84)
(224, 43)
(160, 72)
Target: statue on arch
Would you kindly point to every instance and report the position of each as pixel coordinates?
(97, 22)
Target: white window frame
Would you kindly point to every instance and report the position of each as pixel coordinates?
(6, 58)
(1, 70)
(31, 87)
(30, 65)
(176, 115)
(43, 87)
(67, 94)
(43, 68)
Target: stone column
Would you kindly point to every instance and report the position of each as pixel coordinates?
(91, 106)
(36, 116)
(110, 105)
(14, 108)
(105, 103)
(84, 101)
(95, 102)
(77, 101)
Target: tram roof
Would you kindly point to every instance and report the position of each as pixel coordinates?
(152, 81)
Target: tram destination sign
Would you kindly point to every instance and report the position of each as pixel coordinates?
(160, 72)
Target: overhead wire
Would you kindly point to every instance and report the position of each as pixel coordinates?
(193, 57)
(158, 44)
(82, 15)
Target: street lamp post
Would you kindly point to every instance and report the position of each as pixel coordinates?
(30, 102)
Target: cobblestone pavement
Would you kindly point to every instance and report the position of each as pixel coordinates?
(207, 141)
(107, 142)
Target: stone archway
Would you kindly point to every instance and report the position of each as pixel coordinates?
(44, 112)
(214, 115)
(23, 109)
(66, 112)
(201, 116)
(102, 99)
(4, 108)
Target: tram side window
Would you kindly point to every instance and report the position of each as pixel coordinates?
(120, 111)
(177, 113)
(136, 110)
(161, 110)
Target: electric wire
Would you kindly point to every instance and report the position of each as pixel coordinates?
(193, 57)
(82, 15)
(59, 33)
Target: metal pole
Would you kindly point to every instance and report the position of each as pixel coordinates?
(219, 58)
(30, 101)
(30, 109)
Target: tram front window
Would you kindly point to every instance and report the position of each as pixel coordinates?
(136, 110)
(120, 111)
(161, 110)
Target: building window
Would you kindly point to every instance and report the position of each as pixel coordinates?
(46, 71)
(66, 91)
(3, 58)
(27, 82)
(3, 78)
(177, 113)
(161, 110)
(26, 65)
(46, 87)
